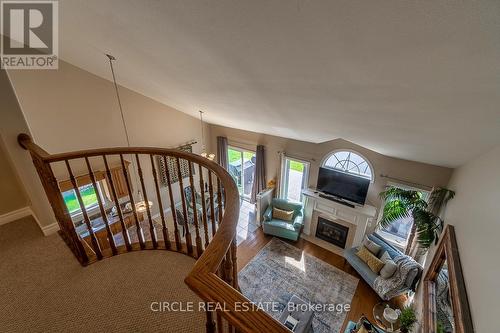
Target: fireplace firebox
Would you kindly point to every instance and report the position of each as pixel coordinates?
(332, 232)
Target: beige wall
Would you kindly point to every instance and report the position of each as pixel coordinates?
(12, 195)
(474, 213)
(407, 170)
(12, 122)
(70, 109)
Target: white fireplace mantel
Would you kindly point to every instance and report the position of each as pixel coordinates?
(357, 219)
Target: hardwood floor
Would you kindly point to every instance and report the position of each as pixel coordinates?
(364, 298)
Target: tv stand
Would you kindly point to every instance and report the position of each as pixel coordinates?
(332, 198)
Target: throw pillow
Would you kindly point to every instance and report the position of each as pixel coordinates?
(388, 270)
(362, 329)
(363, 325)
(385, 257)
(373, 262)
(281, 214)
(372, 246)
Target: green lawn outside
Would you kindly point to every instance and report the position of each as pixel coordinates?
(89, 198)
(235, 155)
(248, 155)
(297, 166)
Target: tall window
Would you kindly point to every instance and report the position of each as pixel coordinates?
(294, 178)
(242, 169)
(399, 231)
(349, 162)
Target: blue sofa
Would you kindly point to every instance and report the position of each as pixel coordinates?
(351, 326)
(282, 228)
(369, 276)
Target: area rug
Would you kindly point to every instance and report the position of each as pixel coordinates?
(280, 271)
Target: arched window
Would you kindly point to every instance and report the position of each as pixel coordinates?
(349, 162)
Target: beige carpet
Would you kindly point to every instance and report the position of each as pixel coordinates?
(44, 289)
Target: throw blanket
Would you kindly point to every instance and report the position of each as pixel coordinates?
(391, 287)
(444, 310)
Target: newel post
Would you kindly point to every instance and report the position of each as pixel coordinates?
(51, 187)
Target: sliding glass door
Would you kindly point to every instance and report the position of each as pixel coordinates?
(242, 169)
(294, 178)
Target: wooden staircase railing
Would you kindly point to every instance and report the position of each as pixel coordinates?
(214, 277)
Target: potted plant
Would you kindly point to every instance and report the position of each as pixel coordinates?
(407, 319)
(402, 203)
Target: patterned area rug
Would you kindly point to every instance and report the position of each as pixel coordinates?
(281, 270)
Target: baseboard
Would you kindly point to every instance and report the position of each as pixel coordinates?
(27, 211)
(50, 229)
(15, 215)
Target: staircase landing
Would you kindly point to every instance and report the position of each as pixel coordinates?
(46, 289)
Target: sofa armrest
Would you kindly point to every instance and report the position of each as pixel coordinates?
(268, 214)
(298, 221)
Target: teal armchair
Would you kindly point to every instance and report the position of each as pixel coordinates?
(280, 228)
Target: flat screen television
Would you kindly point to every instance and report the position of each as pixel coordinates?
(343, 185)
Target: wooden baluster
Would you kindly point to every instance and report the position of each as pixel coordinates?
(212, 206)
(125, 234)
(228, 268)
(228, 275)
(219, 200)
(199, 249)
(104, 216)
(235, 265)
(210, 324)
(221, 274)
(189, 243)
(203, 205)
(95, 243)
(60, 209)
(220, 328)
(224, 198)
(221, 271)
(152, 229)
(178, 245)
(140, 234)
(166, 238)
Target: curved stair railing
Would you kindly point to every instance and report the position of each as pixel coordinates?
(209, 215)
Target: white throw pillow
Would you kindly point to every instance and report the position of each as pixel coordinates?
(385, 256)
(388, 270)
(372, 246)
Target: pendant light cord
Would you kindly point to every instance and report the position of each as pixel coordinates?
(111, 59)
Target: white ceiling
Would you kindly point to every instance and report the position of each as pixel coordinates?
(418, 80)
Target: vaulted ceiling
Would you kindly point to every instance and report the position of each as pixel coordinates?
(418, 80)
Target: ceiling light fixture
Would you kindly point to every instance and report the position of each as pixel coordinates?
(210, 156)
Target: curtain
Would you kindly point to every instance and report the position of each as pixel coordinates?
(222, 152)
(280, 171)
(259, 178)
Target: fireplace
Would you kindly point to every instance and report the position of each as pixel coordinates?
(332, 232)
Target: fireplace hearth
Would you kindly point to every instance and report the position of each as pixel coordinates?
(332, 232)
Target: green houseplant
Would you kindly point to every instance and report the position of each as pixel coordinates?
(402, 203)
(407, 319)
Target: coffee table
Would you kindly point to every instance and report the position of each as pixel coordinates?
(380, 321)
(304, 317)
